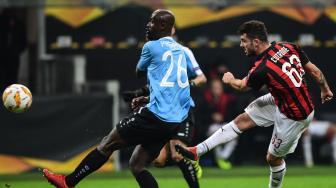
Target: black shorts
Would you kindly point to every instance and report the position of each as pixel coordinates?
(144, 128)
(187, 128)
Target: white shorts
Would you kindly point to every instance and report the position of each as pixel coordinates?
(286, 133)
(318, 128)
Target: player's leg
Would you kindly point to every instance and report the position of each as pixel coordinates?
(260, 112)
(285, 137)
(226, 133)
(191, 170)
(124, 134)
(152, 134)
(222, 152)
(140, 158)
(187, 167)
(278, 170)
(161, 160)
(92, 162)
(223, 135)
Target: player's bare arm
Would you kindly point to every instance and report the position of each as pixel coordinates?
(199, 80)
(238, 84)
(317, 75)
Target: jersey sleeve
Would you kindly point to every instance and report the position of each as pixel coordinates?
(193, 67)
(256, 78)
(302, 55)
(145, 58)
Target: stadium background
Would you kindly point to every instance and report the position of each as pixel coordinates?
(78, 56)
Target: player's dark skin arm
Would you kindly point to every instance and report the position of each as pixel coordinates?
(317, 75)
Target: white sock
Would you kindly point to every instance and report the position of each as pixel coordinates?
(223, 135)
(307, 150)
(277, 175)
(333, 145)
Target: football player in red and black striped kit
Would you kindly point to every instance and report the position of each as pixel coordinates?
(280, 66)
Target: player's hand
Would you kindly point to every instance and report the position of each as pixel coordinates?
(326, 95)
(228, 77)
(139, 102)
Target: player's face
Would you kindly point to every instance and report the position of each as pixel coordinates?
(152, 28)
(247, 45)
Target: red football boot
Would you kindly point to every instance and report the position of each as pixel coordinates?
(187, 152)
(58, 180)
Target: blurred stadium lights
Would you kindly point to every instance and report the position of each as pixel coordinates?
(213, 4)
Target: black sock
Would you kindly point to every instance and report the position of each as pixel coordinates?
(189, 173)
(93, 161)
(146, 180)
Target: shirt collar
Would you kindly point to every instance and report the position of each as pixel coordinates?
(167, 37)
(265, 51)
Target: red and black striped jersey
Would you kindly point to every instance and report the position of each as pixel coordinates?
(279, 67)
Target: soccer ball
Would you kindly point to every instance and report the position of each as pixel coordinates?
(17, 98)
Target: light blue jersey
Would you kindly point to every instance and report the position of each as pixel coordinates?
(166, 66)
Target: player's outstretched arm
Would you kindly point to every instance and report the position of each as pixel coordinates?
(238, 84)
(317, 75)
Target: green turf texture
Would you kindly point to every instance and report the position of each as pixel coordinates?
(238, 177)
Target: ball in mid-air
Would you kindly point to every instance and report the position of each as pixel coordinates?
(17, 98)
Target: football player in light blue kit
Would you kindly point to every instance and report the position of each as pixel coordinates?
(151, 127)
(167, 78)
(190, 169)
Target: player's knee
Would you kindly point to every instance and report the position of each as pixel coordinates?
(104, 148)
(135, 167)
(273, 160)
(110, 143)
(244, 122)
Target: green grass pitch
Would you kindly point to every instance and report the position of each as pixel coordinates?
(238, 177)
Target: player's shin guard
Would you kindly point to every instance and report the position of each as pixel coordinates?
(146, 180)
(277, 175)
(189, 173)
(92, 162)
(223, 135)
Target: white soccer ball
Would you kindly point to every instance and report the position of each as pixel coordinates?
(17, 98)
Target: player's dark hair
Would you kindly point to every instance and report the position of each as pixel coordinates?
(254, 29)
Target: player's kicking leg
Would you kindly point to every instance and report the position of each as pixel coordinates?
(223, 135)
(92, 162)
